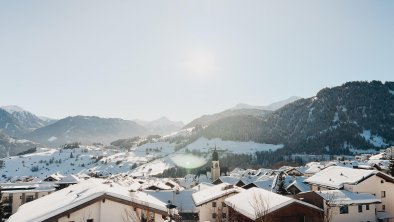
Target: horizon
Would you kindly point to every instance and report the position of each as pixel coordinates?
(21, 108)
(180, 60)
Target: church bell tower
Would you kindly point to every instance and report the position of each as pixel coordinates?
(215, 168)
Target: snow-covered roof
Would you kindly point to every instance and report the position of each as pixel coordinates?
(265, 184)
(202, 186)
(228, 179)
(69, 179)
(182, 199)
(75, 195)
(56, 176)
(339, 197)
(299, 183)
(377, 156)
(214, 192)
(255, 202)
(27, 187)
(336, 176)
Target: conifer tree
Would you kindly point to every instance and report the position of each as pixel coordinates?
(281, 186)
(391, 167)
(1, 205)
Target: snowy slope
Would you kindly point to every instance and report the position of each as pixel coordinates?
(145, 160)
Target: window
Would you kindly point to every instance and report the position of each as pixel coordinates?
(382, 194)
(29, 198)
(360, 208)
(383, 207)
(223, 204)
(224, 215)
(344, 209)
(367, 207)
(213, 204)
(214, 215)
(89, 220)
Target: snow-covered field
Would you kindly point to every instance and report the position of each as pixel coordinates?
(375, 140)
(204, 144)
(148, 159)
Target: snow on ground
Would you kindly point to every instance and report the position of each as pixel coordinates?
(204, 145)
(360, 151)
(336, 117)
(47, 161)
(183, 132)
(52, 138)
(146, 160)
(375, 140)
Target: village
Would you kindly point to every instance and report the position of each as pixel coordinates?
(361, 189)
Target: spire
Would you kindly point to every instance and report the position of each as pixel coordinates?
(215, 156)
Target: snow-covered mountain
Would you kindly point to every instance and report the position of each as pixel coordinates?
(10, 125)
(161, 126)
(206, 120)
(87, 129)
(147, 159)
(10, 146)
(355, 115)
(241, 110)
(26, 119)
(272, 107)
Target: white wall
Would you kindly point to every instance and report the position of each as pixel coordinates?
(353, 215)
(89, 212)
(206, 210)
(17, 201)
(106, 211)
(374, 186)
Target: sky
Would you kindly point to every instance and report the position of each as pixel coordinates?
(183, 59)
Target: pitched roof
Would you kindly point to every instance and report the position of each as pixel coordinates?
(214, 192)
(75, 195)
(339, 197)
(182, 199)
(336, 176)
(255, 202)
(299, 184)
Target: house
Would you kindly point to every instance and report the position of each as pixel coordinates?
(210, 201)
(17, 194)
(230, 180)
(66, 181)
(93, 200)
(358, 180)
(293, 171)
(257, 204)
(343, 205)
(265, 183)
(297, 186)
(54, 177)
(182, 199)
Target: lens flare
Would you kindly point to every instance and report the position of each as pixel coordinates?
(188, 161)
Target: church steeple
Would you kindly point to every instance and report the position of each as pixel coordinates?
(215, 155)
(215, 168)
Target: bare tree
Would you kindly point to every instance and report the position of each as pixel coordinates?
(261, 206)
(330, 206)
(86, 216)
(1, 205)
(130, 215)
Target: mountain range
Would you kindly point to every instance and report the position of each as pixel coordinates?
(271, 107)
(15, 122)
(161, 126)
(241, 109)
(337, 120)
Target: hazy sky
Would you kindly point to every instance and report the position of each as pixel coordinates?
(183, 59)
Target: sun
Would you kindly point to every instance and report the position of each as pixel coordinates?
(200, 64)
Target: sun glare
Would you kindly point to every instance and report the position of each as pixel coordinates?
(200, 64)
